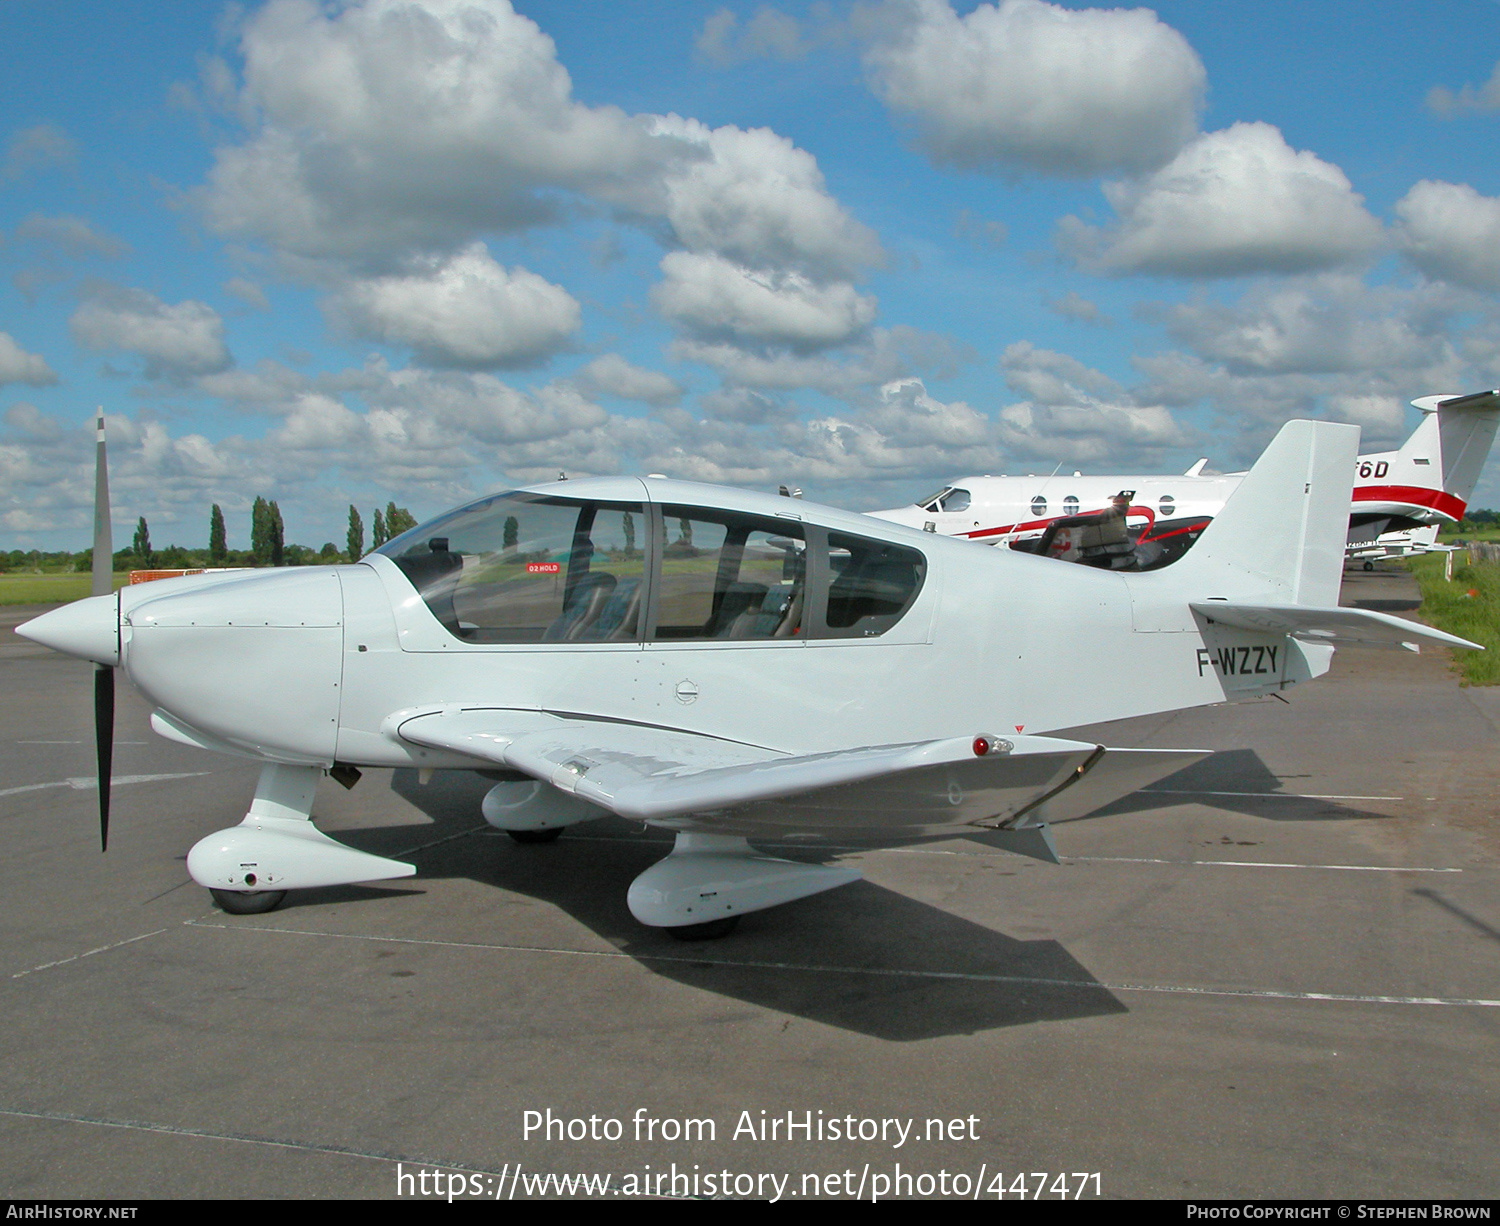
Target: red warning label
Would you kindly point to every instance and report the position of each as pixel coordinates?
(543, 568)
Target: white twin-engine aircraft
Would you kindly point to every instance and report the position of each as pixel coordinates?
(725, 665)
(1400, 498)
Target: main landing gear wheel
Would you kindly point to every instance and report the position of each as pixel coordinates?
(709, 930)
(536, 836)
(1369, 565)
(241, 902)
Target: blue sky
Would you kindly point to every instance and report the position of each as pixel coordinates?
(416, 250)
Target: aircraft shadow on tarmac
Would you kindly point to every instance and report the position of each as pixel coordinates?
(1236, 771)
(862, 958)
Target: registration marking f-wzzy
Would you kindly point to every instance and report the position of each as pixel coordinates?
(1238, 661)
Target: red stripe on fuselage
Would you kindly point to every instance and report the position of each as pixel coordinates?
(1413, 495)
(1034, 525)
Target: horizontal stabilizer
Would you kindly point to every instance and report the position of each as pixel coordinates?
(1337, 627)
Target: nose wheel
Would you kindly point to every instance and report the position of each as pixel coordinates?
(242, 902)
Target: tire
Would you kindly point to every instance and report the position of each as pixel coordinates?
(709, 930)
(241, 902)
(549, 835)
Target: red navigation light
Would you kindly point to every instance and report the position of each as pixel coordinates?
(981, 746)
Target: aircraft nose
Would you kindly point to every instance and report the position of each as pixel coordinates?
(88, 628)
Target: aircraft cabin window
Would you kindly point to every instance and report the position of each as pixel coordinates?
(934, 502)
(726, 575)
(956, 500)
(871, 585)
(1168, 507)
(1038, 505)
(521, 568)
(1070, 505)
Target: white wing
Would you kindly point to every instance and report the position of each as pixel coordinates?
(659, 774)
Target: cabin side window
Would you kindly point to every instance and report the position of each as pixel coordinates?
(1039, 505)
(730, 576)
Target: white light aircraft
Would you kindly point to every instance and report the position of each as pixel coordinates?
(1399, 500)
(721, 664)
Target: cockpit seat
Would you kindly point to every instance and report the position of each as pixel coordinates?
(617, 619)
(582, 607)
(739, 611)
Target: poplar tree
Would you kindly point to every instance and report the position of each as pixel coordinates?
(629, 526)
(141, 546)
(218, 542)
(260, 531)
(356, 537)
(379, 533)
(277, 534)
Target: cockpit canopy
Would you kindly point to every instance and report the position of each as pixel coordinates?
(523, 567)
(949, 498)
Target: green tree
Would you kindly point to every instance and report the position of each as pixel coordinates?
(277, 535)
(379, 534)
(397, 520)
(629, 526)
(218, 541)
(329, 553)
(141, 545)
(512, 532)
(356, 537)
(260, 532)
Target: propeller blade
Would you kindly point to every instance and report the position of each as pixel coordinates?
(104, 740)
(103, 583)
(104, 558)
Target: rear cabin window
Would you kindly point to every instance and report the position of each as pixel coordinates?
(871, 585)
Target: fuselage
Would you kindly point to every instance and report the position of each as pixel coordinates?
(322, 665)
(1427, 482)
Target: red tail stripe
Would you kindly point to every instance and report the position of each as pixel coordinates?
(1413, 495)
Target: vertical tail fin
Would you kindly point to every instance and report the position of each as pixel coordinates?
(1280, 537)
(1465, 429)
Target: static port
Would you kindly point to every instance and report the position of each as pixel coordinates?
(249, 878)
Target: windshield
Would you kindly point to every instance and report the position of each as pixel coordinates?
(518, 568)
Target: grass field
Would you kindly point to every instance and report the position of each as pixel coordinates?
(1476, 617)
(48, 589)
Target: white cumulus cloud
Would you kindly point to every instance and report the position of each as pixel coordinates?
(1232, 202)
(18, 366)
(612, 374)
(754, 197)
(411, 123)
(714, 296)
(464, 311)
(1451, 233)
(1034, 85)
(184, 339)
